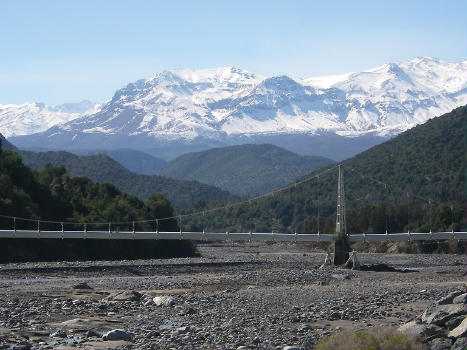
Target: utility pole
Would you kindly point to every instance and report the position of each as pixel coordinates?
(341, 244)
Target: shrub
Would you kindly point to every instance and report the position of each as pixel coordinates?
(373, 339)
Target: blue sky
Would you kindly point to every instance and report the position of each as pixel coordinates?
(66, 51)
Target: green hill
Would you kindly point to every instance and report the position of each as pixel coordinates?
(101, 168)
(52, 195)
(136, 161)
(245, 170)
(409, 182)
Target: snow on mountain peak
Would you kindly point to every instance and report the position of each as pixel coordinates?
(33, 117)
(189, 104)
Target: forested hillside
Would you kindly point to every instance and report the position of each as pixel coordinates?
(245, 170)
(415, 181)
(52, 195)
(138, 162)
(101, 168)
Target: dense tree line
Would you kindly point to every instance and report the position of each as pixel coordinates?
(53, 195)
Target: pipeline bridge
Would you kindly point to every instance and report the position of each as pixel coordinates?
(133, 234)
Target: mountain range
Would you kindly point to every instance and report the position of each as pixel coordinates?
(29, 118)
(177, 111)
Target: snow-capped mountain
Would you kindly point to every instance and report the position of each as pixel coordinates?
(228, 105)
(30, 118)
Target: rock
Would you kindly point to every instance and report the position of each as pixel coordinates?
(232, 322)
(76, 321)
(257, 340)
(23, 345)
(77, 302)
(146, 299)
(130, 295)
(83, 285)
(460, 299)
(341, 276)
(439, 344)
(449, 298)
(440, 314)
(59, 334)
(336, 315)
(419, 330)
(454, 322)
(92, 333)
(290, 347)
(118, 334)
(243, 347)
(181, 330)
(460, 344)
(459, 331)
(164, 301)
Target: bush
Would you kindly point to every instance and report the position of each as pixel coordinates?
(374, 339)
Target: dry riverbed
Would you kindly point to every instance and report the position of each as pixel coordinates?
(247, 296)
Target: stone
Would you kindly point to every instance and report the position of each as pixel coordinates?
(23, 345)
(449, 298)
(460, 299)
(336, 315)
(440, 314)
(454, 322)
(243, 347)
(459, 331)
(76, 321)
(232, 322)
(290, 347)
(439, 344)
(118, 334)
(460, 344)
(128, 296)
(164, 301)
(83, 285)
(341, 276)
(419, 330)
(59, 334)
(92, 333)
(181, 330)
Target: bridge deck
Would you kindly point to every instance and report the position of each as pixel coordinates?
(238, 236)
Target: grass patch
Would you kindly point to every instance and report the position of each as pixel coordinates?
(372, 339)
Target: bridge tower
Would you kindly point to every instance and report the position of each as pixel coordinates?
(341, 244)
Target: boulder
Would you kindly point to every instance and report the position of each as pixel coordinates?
(440, 344)
(118, 334)
(83, 285)
(460, 299)
(440, 314)
(164, 301)
(454, 322)
(449, 298)
(460, 330)
(130, 295)
(420, 330)
(460, 344)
